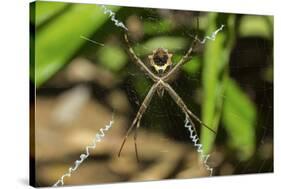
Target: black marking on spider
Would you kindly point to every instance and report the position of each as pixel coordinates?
(160, 57)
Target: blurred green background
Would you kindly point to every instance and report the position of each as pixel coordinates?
(228, 84)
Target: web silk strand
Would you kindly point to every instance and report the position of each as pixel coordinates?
(195, 139)
(99, 136)
(112, 17)
(213, 35)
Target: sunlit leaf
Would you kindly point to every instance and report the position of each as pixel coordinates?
(251, 25)
(192, 66)
(213, 61)
(57, 42)
(45, 10)
(216, 58)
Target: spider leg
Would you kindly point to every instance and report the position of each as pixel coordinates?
(138, 117)
(138, 61)
(182, 61)
(184, 108)
(135, 140)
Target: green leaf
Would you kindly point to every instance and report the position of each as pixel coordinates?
(251, 25)
(170, 43)
(162, 26)
(141, 84)
(45, 10)
(223, 97)
(215, 73)
(57, 42)
(239, 117)
(113, 58)
(192, 66)
(213, 61)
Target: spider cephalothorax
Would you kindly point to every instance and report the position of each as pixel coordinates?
(160, 59)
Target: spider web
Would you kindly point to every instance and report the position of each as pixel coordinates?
(249, 66)
(249, 59)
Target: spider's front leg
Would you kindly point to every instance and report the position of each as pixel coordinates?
(136, 122)
(139, 62)
(185, 58)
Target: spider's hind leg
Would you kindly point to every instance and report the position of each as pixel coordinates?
(184, 108)
(135, 140)
(136, 122)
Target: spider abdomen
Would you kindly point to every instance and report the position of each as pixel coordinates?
(160, 59)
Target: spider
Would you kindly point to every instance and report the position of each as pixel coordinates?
(164, 69)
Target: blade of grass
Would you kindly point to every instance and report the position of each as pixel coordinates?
(45, 10)
(215, 72)
(56, 43)
(224, 99)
